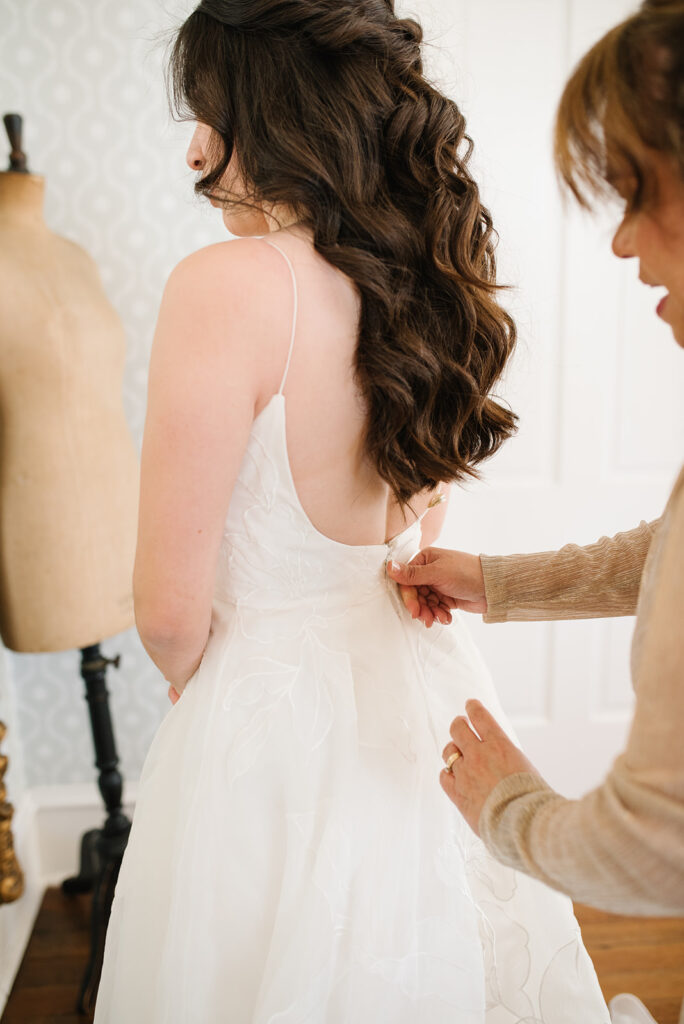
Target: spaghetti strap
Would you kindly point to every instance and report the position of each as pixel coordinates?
(294, 312)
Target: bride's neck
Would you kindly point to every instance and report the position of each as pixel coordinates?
(280, 218)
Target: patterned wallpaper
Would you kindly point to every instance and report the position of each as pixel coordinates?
(87, 77)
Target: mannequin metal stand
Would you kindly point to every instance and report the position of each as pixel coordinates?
(101, 848)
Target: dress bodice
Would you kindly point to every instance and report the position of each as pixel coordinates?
(271, 555)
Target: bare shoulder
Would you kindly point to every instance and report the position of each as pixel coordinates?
(236, 272)
(225, 303)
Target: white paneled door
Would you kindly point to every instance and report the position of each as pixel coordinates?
(597, 380)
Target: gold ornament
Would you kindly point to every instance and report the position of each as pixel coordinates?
(11, 876)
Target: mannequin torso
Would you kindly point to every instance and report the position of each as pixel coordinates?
(68, 465)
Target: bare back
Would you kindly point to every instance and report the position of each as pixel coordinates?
(338, 487)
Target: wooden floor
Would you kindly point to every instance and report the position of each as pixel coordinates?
(643, 955)
(640, 955)
(47, 985)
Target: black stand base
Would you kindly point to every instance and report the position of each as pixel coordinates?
(89, 865)
(102, 849)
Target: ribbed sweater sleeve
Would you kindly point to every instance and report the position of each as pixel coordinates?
(621, 846)
(598, 580)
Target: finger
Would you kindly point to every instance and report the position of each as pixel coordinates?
(442, 615)
(448, 783)
(411, 601)
(411, 575)
(404, 575)
(424, 556)
(485, 723)
(462, 735)
(451, 755)
(426, 615)
(449, 749)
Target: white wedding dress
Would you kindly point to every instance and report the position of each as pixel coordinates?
(293, 859)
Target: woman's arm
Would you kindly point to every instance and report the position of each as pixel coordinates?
(594, 581)
(620, 847)
(206, 377)
(601, 579)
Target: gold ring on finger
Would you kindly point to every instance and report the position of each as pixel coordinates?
(452, 758)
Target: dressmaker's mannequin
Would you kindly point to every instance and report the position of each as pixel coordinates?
(68, 466)
(69, 480)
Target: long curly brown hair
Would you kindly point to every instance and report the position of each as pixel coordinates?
(626, 93)
(331, 115)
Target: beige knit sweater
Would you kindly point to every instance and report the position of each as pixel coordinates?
(621, 846)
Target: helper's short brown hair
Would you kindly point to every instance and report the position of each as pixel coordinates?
(625, 94)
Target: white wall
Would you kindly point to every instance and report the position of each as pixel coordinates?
(596, 380)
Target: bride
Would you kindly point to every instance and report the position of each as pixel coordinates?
(314, 385)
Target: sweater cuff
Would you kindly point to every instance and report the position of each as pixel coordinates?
(495, 572)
